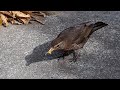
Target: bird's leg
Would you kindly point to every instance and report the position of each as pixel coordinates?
(74, 59)
(74, 56)
(63, 56)
(58, 59)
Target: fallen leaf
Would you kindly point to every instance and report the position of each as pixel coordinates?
(7, 13)
(27, 12)
(21, 17)
(20, 14)
(0, 21)
(4, 20)
(24, 20)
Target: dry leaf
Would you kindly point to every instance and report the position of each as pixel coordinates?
(7, 13)
(0, 21)
(38, 13)
(20, 14)
(21, 17)
(11, 20)
(4, 20)
(27, 12)
(24, 20)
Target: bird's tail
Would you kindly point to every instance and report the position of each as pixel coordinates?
(98, 25)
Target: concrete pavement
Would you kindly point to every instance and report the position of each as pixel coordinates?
(99, 59)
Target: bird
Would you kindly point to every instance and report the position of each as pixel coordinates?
(74, 37)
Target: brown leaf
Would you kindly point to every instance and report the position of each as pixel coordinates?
(27, 12)
(21, 17)
(20, 14)
(11, 20)
(4, 20)
(0, 21)
(38, 13)
(24, 20)
(7, 13)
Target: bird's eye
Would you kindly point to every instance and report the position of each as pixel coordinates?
(57, 45)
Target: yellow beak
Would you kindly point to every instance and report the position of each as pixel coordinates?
(50, 51)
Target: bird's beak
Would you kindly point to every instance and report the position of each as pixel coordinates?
(50, 51)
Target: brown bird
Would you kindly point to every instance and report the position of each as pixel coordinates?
(74, 38)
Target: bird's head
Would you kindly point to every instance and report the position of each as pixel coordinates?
(57, 46)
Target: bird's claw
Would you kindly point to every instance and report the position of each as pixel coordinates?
(61, 57)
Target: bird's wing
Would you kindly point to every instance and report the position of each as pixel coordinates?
(62, 36)
(70, 35)
(73, 30)
(84, 35)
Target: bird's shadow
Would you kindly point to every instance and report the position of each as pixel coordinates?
(39, 54)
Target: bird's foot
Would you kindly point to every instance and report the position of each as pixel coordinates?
(61, 57)
(75, 57)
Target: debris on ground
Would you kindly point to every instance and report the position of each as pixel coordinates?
(21, 17)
